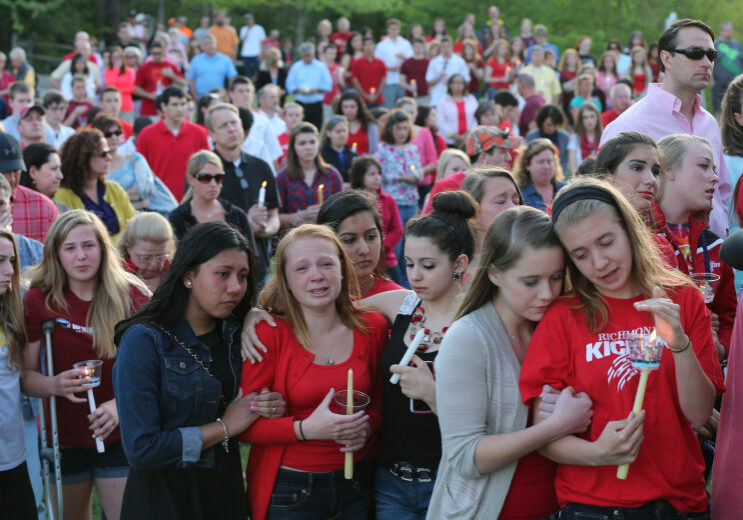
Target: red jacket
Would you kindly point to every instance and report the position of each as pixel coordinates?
(283, 366)
(701, 238)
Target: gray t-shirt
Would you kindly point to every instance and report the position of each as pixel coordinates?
(12, 438)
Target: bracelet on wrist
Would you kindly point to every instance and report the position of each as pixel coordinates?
(301, 431)
(679, 350)
(226, 441)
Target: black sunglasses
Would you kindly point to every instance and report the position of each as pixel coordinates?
(206, 178)
(112, 133)
(697, 53)
(105, 153)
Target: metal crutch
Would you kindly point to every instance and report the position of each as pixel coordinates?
(50, 455)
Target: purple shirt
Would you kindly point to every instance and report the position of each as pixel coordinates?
(658, 114)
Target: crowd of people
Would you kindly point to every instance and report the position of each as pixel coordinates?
(468, 234)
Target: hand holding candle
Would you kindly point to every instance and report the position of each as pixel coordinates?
(92, 369)
(644, 352)
(320, 194)
(262, 195)
(409, 353)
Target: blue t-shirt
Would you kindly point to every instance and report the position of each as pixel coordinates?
(210, 72)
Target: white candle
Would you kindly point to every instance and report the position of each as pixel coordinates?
(348, 462)
(262, 195)
(91, 401)
(408, 354)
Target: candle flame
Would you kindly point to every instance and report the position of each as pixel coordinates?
(321, 187)
(263, 184)
(653, 335)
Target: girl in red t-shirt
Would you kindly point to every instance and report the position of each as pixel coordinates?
(80, 265)
(317, 338)
(498, 70)
(489, 440)
(640, 72)
(363, 133)
(620, 286)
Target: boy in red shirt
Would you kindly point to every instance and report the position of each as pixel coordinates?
(369, 75)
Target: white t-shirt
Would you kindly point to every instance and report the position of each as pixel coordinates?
(454, 65)
(387, 51)
(278, 125)
(12, 438)
(252, 37)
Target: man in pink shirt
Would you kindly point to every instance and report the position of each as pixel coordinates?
(687, 53)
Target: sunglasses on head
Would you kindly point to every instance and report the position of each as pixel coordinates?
(112, 133)
(697, 53)
(206, 178)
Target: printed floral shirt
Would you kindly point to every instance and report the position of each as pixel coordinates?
(398, 162)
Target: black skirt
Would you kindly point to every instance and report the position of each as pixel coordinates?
(188, 493)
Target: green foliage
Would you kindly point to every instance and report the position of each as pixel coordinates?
(23, 11)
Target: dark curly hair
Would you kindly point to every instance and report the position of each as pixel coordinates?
(76, 154)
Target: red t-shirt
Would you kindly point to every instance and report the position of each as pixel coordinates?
(335, 71)
(71, 343)
(415, 69)
(459, 44)
(149, 75)
(370, 74)
(450, 183)
(126, 128)
(382, 285)
(461, 118)
(168, 154)
(638, 83)
(339, 39)
(608, 116)
(474, 85)
(82, 119)
(532, 491)
(284, 142)
(361, 139)
(499, 71)
(563, 352)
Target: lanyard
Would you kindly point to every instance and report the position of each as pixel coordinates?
(705, 251)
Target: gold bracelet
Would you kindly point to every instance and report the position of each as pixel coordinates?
(678, 350)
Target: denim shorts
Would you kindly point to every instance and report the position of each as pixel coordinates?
(83, 464)
(657, 510)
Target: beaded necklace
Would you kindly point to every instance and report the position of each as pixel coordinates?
(416, 323)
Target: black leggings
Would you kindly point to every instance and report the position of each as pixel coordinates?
(17, 497)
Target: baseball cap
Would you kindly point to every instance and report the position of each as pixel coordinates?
(11, 156)
(141, 17)
(248, 16)
(27, 110)
(132, 14)
(485, 138)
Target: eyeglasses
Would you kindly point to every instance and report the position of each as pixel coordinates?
(146, 259)
(697, 53)
(105, 153)
(206, 178)
(112, 133)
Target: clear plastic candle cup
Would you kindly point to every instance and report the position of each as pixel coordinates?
(93, 369)
(644, 350)
(339, 405)
(707, 283)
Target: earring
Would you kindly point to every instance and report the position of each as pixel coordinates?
(457, 275)
(188, 284)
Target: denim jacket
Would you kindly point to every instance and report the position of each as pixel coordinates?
(164, 395)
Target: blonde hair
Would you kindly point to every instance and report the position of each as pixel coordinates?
(671, 151)
(149, 226)
(648, 270)
(113, 284)
(11, 311)
(527, 153)
(446, 158)
(278, 299)
(196, 163)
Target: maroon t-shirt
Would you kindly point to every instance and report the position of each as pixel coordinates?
(82, 119)
(415, 69)
(529, 112)
(72, 342)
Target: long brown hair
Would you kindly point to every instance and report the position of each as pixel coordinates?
(279, 300)
(512, 232)
(76, 154)
(648, 270)
(11, 311)
(732, 131)
(293, 167)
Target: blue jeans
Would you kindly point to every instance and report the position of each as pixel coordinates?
(300, 495)
(250, 64)
(406, 213)
(397, 499)
(657, 510)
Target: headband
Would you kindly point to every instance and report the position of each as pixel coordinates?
(581, 193)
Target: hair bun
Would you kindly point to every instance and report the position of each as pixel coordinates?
(455, 203)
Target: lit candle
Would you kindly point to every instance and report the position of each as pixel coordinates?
(414, 84)
(262, 195)
(320, 194)
(648, 345)
(409, 354)
(348, 469)
(353, 147)
(413, 171)
(373, 90)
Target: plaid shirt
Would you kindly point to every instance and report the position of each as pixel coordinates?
(296, 195)
(33, 213)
